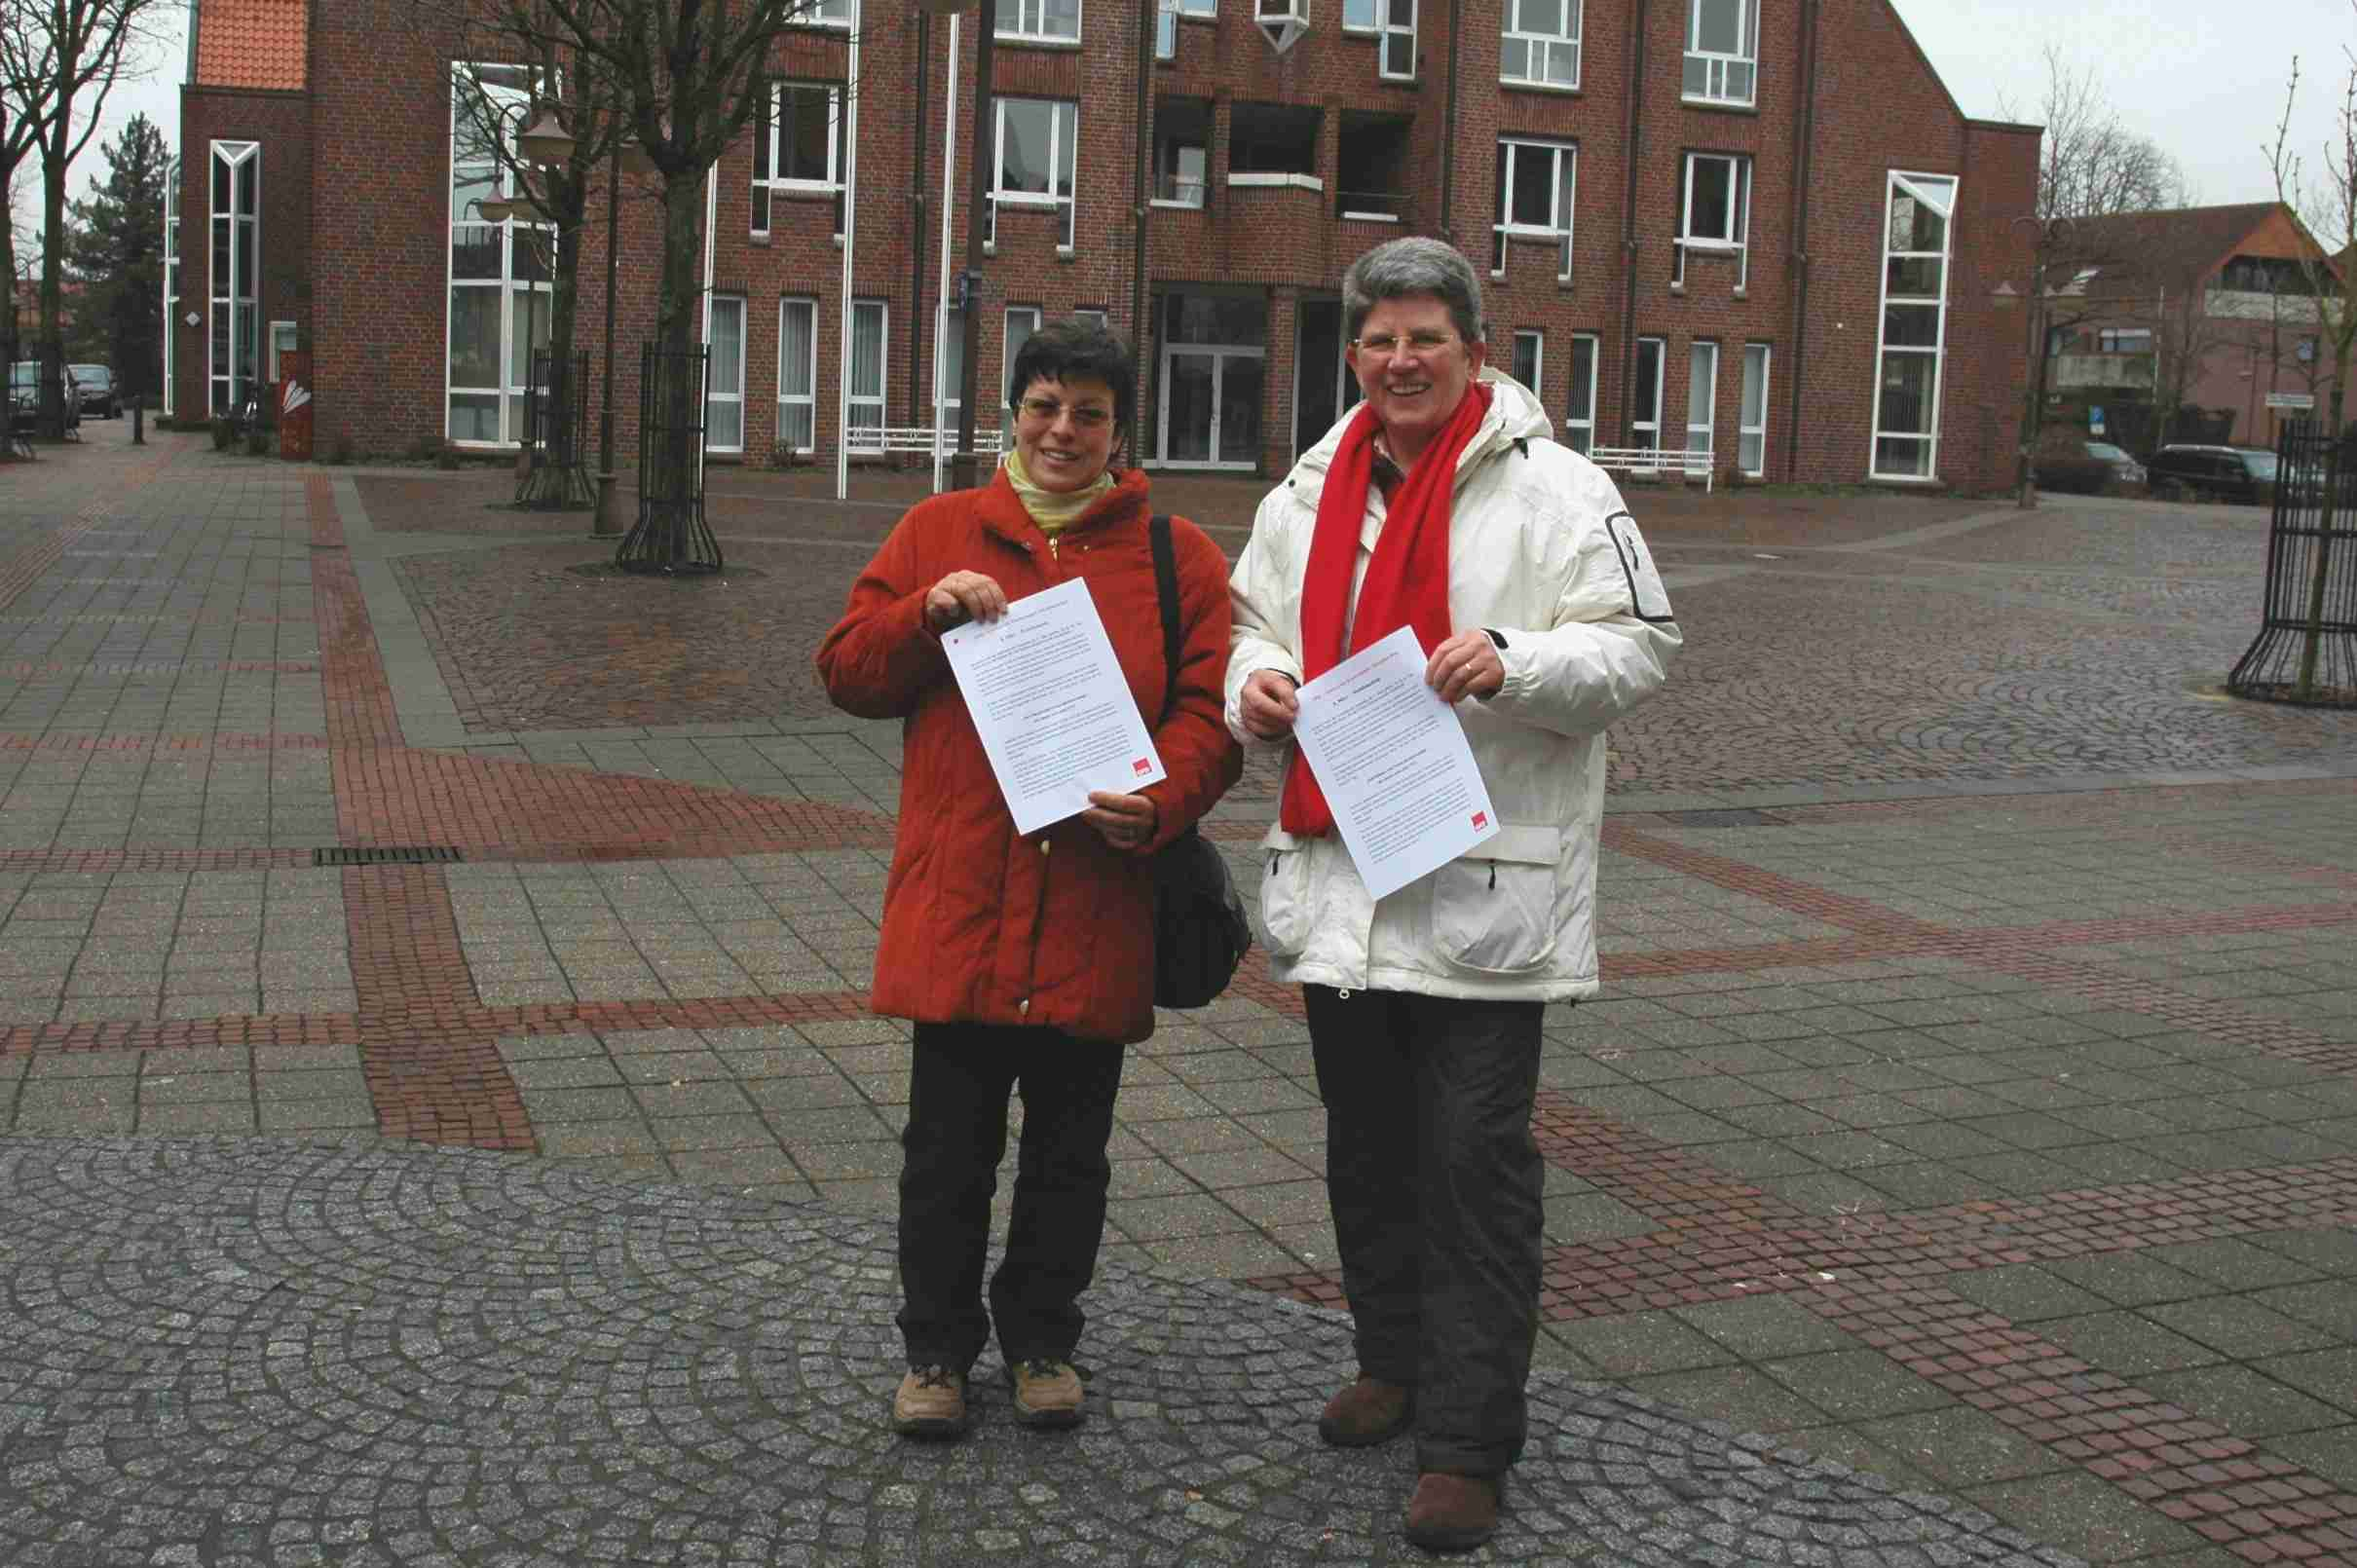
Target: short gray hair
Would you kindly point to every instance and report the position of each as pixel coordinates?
(1413, 266)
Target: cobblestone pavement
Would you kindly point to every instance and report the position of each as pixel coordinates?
(439, 1120)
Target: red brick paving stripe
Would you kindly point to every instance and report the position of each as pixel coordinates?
(406, 959)
(259, 1030)
(2227, 1490)
(1857, 915)
(357, 694)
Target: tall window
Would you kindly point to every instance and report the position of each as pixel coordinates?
(866, 392)
(1541, 45)
(1915, 326)
(1535, 187)
(797, 148)
(1022, 321)
(233, 344)
(1714, 213)
(1702, 403)
(798, 374)
(1580, 408)
(171, 276)
(950, 364)
(1645, 399)
(1036, 141)
(1530, 361)
(1359, 15)
(498, 273)
(1751, 423)
(1047, 21)
(826, 14)
(1396, 59)
(725, 387)
(1722, 50)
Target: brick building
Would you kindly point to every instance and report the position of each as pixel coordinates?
(2210, 306)
(1759, 227)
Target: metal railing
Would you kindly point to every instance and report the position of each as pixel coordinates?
(671, 536)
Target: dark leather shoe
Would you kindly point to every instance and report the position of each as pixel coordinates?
(1367, 1412)
(1452, 1512)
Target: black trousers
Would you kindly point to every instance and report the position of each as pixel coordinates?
(957, 1134)
(1436, 1184)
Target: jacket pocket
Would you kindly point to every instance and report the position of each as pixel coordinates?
(1285, 901)
(1493, 907)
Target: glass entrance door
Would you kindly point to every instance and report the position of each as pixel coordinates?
(1211, 407)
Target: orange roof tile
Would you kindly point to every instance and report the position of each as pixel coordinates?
(252, 43)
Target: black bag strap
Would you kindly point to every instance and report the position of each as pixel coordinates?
(1166, 585)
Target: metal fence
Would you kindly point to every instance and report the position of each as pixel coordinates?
(2306, 648)
(556, 413)
(671, 534)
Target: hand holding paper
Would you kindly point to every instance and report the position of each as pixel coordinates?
(1392, 760)
(1051, 706)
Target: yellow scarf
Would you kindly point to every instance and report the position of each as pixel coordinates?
(1051, 510)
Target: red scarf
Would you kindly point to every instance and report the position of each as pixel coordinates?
(1407, 582)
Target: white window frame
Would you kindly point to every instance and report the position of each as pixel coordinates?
(716, 305)
(1702, 392)
(225, 392)
(2138, 340)
(826, 14)
(1363, 16)
(1096, 319)
(1751, 436)
(284, 338)
(949, 377)
(1651, 425)
(1389, 30)
(1580, 432)
(767, 189)
(1922, 187)
(1719, 68)
(1008, 348)
(863, 409)
(1536, 381)
(1175, 182)
(1736, 217)
(1539, 49)
(171, 280)
(1564, 194)
(1063, 126)
(1030, 25)
(807, 398)
(509, 390)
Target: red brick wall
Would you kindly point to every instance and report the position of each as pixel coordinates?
(279, 123)
(381, 117)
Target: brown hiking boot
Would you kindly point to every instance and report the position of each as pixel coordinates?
(931, 1403)
(1047, 1392)
(1452, 1512)
(1367, 1412)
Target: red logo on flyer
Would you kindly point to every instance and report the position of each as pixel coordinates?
(1481, 819)
(1141, 766)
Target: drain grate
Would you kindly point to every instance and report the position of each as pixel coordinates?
(387, 855)
(1733, 816)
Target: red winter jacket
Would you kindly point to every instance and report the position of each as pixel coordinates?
(980, 925)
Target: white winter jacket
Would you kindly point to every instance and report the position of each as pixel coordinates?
(1541, 553)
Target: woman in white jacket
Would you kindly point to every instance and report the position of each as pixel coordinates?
(1443, 502)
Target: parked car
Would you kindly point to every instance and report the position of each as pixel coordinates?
(2228, 472)
(99, 393)
(2125, 469)
(24, 397)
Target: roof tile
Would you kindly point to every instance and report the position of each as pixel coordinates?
(252, 43)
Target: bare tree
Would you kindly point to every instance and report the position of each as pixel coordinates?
(57, 57)
(2323, 197)
(2090, 167)
(2184, 336)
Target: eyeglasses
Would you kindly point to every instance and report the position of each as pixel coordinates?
(1046, 410)
(1420, 345)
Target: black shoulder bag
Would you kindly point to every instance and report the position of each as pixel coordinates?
(1201, 933)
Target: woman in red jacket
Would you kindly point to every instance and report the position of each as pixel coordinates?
(1026, 962)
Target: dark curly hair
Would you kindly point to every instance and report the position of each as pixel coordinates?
(1063, 350)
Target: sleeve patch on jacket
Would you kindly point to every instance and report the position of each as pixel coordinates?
(1647, 598)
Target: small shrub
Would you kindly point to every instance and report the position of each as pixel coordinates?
(424, 449)
(445, 455)
(257, 439)
(340, 454)
(221, 434)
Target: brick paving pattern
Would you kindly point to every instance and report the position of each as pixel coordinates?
(1971, 1117)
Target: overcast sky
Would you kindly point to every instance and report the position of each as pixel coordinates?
(2203, 79)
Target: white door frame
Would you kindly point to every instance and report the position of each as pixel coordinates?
(1218, 353)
